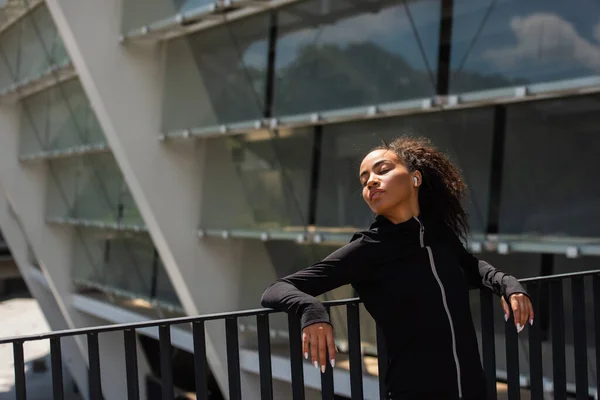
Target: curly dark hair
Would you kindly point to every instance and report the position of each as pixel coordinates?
(443, 188)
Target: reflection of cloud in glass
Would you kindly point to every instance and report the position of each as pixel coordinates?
(547, 38)
(386, 28)
(597, 32)
(359, 29)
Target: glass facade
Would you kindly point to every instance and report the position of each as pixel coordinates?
(261, 181)
(58, 119)
(217, 76)
(29, 47)
(85, 185)
(545, 191)
(341, 54)
(91, 188)
(121, 263)
(508, 43)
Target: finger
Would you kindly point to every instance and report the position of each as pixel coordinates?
(524, 311)
(314, 349)
(331, 348)
(506, 309)
(531, 313)
(322, 349)
(516, 312)
(305, 344)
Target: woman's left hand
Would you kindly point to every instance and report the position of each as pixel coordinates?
(522, 310)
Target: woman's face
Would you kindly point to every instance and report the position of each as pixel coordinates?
(387, 183)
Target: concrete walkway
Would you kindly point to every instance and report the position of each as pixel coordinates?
(22, 316)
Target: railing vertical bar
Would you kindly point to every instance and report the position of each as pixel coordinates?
(166, 362)
(512, 359)
(296, 363)
(558, 340)
(596, 288)
(264, 357)
(356, 377)
(200, 367)
(94, 380)
(327, 377)
(233, 358)
(535, 347)
(488, 341)
(131, 367)
(20, 387)
(579, 332)
(382, 363)
(56, 365)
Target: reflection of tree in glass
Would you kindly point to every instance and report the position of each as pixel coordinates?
(329, 77)
(325, 77)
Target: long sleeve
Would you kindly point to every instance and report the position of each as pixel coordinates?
(296, 293)
(480, 274)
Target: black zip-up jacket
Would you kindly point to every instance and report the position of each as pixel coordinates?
(414, 280)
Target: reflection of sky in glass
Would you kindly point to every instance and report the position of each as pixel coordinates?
(387, 29)
(534, 40)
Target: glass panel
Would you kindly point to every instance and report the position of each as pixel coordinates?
(465, 136)
(90, 188)
(123, 261)
(137, 13)
(339, 53)
(98, 189)
(30, 47)
(257, 181)
(541, 193)
(217, 76)
(54, 49)
(522, 42)
(58, 118)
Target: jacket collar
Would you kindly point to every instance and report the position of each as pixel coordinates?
(383, 225)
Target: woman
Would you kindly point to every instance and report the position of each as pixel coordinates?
(412, 273)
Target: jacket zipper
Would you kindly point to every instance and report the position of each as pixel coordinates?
(444, 301)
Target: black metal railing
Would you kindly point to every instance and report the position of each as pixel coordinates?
(552, 333)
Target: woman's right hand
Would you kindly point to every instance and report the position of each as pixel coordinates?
(319, 337)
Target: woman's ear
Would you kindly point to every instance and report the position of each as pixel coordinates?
(417, 179)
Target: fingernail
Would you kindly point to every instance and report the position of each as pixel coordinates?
(316, 364)
(306, 355)
(332, 361)
(322, 369)
(519, 328)
(531, 322)
(505, 317)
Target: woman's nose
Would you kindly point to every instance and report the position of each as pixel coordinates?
(372, 183)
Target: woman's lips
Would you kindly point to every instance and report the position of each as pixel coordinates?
(375, 194)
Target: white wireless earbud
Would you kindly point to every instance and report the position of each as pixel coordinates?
(416, 180)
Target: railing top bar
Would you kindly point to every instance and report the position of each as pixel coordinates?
(157, 322)
(559, 276)
(225, 315)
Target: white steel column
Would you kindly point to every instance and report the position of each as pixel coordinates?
(25, 190)
(124, 88)
(15, 237)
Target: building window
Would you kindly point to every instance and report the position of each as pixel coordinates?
(334, 54)
(507, 42)
(257, 181)
(217, 76)
(551, 149)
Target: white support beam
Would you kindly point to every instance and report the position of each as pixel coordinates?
(39, 288)
(124, 86)
(25, 190)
